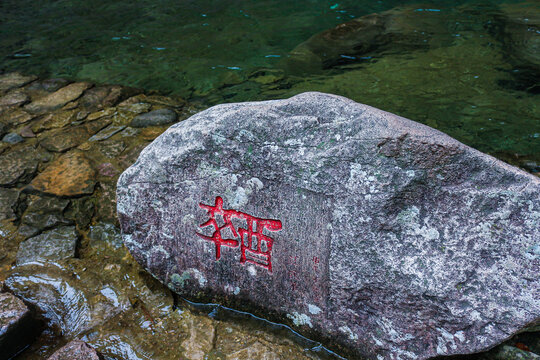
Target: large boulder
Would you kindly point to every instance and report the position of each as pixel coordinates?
(381, 236)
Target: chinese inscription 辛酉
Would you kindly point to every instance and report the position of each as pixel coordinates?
(256, 248)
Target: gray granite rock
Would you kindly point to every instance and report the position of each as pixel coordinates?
(378, 235)
(56, 244)
(75, 349)
(154, 118)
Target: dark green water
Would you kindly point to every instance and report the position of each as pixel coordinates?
(471, 71)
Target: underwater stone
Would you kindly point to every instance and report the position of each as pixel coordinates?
(56, 244)
(154, 118)
(380, 236)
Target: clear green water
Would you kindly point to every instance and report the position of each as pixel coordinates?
(476, 79)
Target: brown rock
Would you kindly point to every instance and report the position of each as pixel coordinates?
(27, 132)
(14, 80)
(62, 140)
(58, 98)
(75, 350)
(69, 176)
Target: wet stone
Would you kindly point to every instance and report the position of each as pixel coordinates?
(68, 176)
(43, 213)
(507, 352)
(201, 337)
(15, 321)
(154, 118)
(107, 233)
(55, 120)
(18, 165)
(111, 148)
(14, 80)
(8, 203)
(72, 299)
(75, 350)
(382, 236)
(56, 244)
(27, 132)
(64, 139)
(58, 98)
(3, 129)
(12, 138)
(81, 211)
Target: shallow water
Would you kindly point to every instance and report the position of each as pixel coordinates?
(473, 79)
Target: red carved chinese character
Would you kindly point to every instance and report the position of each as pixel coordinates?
(256, 247)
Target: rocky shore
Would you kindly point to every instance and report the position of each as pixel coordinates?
(62, 262)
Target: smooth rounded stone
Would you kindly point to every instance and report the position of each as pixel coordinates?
(15, 325)
(381, 236)
(76, 349)
(64, 139)
(70, 175)
(14, 98)
(53, 245)
(154, 118)
(18, 165)
(14, 80)
(58, 98)
(8, 202)
(12, 138)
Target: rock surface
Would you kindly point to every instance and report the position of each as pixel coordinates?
(76, 349)
(379, 234)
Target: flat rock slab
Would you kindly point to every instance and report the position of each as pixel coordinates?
(75, 349)
(14, 80)
(58, 98)
(69, 176)
(381, 236)
(55, 244)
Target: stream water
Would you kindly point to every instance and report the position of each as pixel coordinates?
(467, 68)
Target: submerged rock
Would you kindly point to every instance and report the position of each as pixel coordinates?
(383, 236)
(52, 245)
(8, 202)
(14, 80)
(18, 165)
(58, 98)
(154, 118)
(76, 349)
